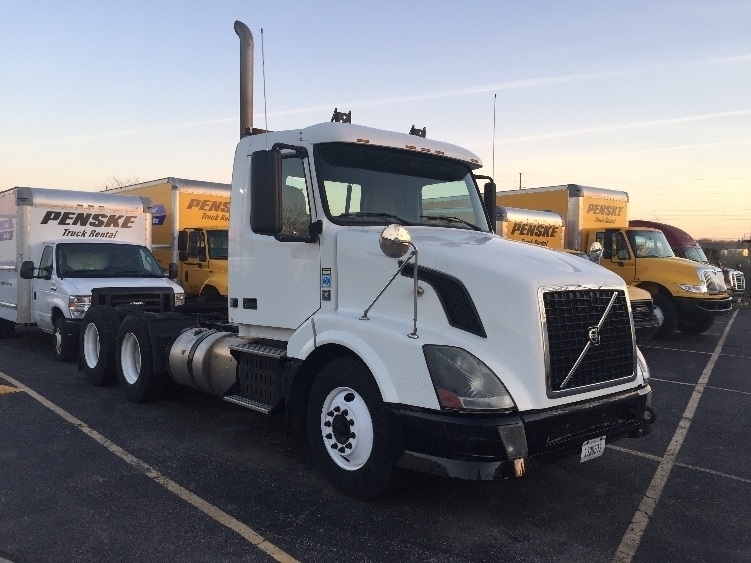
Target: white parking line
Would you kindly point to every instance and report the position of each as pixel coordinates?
(706, 387)
(206, 507)
(633, 536)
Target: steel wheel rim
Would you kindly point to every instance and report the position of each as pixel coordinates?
(347, 428)
(58, 341)
(130, 358)
(91, 345)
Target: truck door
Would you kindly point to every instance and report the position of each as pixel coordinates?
(195, 267)
(619, 259)
(44, 291)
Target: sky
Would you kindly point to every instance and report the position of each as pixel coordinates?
(653, 98)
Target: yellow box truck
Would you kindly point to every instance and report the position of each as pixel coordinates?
(543, 228)
(690, 295)
(190, 225)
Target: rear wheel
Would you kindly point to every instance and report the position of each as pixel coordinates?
(669, 313)
(97, 353)
(134, 361)
(210, 295)
(66, 347)
(696, 326)
(349, 430)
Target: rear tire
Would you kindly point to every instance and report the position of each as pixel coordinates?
(349, 430)
(670, 315)
(210, 295)
(134, 361)
(97, 346)
(66, 347)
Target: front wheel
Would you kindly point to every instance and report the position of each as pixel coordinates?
(696, 326)
(669, 313)
(349, 430)
(97, 353)
(66, 347)
(134, 361)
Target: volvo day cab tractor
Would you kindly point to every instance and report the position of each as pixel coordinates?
(190, 223)
(690, 295)
(683, 245)
(393, 335)
(62, 251)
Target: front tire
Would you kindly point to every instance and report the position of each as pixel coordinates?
(670, 315)
(350, 431)
(66, 347)
(696, 326)
(98, 341)
(134, 361)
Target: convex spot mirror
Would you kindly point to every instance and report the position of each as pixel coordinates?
(395, 241)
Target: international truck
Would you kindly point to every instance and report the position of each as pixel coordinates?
(62, 251)
(190, 223)
(689, 295)
(683, 245)
(393, 337)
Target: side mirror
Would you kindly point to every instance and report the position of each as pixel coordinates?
(266, 192)
(395, 241)
(182, 241)
(595, 252)
(182, 255)
(27, 270)
(172, 272)
(607, 251)
(488, 196)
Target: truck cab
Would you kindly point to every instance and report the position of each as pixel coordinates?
(203, 254)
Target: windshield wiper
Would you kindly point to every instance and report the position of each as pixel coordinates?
(449, 219)
(376, 214)
(135, 273)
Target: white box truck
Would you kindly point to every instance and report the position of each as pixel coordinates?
(392, 336)
(61, 251)
(190, 223)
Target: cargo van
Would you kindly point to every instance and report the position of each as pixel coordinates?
(62, 250)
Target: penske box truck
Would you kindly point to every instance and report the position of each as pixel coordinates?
(190, 224)
(393, 337)
(690, 295)
(62, 251)
(543, 228)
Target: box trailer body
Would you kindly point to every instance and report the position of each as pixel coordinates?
(683, 245)
(83, 246)
(190, 223)
(543, 228)
(393, 336)
(690, 296)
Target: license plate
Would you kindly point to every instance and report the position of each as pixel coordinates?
(593, 448)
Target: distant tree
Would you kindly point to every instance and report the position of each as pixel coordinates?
(115, 182)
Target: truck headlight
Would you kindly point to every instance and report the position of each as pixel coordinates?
(179, 299)
(463, 382)
(641, 363)
(78, 305)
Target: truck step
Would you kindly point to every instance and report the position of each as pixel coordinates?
(260, 349)
(248, 404)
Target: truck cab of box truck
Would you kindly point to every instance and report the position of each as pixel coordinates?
(690, 295)
(684, 246)
(202, 258)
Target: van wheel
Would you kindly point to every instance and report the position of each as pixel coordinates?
(7, 329)
(696, 326)
(66, 347)
(134, 361)
(97, 352)
(349, 431)
(670, 316)
(210, 295)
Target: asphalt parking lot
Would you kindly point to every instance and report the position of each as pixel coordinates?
(87, 476)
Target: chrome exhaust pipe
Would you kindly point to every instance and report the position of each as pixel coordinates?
(246, 78)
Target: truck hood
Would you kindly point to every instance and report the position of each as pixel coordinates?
(83, 286)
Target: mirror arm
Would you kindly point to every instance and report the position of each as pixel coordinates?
(414, 253)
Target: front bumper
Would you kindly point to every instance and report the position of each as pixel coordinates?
(695, 308)
(481, 446)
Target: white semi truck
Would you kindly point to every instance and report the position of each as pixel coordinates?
(62, 251)
(394, 336)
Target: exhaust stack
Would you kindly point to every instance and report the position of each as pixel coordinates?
(246, 78)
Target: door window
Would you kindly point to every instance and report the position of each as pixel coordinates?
(197, 245)
(295, 204)
(45, 262)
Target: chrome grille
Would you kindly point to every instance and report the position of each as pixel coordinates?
(642, 311)
(714, 282)
(572, 318)
(737, 281)
(156, 300)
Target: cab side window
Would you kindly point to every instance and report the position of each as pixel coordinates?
(619, 248)
(45, 263)
(295, 204)
(197, 245)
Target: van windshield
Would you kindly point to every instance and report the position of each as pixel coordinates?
(104, 260)
(649, 244)
(368, 185)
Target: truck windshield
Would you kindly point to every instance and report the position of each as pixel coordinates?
(104, 260)
(695, 253)
(649, 244)
(367, 185)
(218, 244)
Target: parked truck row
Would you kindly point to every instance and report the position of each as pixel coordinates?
(391, 331)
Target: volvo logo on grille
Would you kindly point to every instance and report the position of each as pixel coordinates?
(594, 335)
